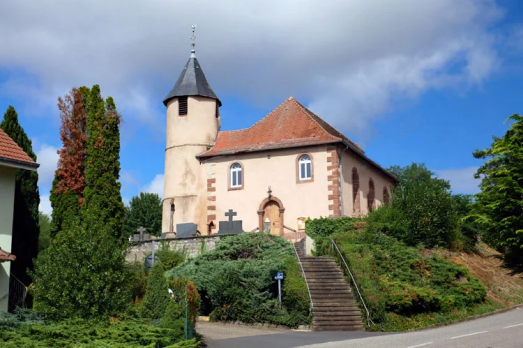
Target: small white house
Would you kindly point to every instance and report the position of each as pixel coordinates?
(12, 157)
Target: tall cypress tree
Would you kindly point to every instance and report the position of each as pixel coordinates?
(82, 273)
(69, 183)
(103, 201)
(26, 227)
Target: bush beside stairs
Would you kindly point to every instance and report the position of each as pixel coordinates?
(334, 307)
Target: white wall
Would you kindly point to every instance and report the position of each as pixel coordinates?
(7, 194)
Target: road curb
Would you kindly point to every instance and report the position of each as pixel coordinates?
(263, 326)
(457, 321)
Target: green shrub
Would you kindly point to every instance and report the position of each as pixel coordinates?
(395, 278)
(174, 317)
(156, 296)
(295, 296)
(236, 280)
(82, 274)
(169, 258)
(93, 334)
(324, 227)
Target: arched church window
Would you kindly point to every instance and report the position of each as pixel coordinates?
(385, 196)
(370, 196)
(182, 106)
(305, 167)
(236, 175)
(355, 191)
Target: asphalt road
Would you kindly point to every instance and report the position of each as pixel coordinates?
(503, 330)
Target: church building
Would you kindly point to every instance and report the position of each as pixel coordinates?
(288, 166)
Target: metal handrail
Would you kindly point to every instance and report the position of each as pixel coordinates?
(18, 291)
(369, 320)
(304, 277)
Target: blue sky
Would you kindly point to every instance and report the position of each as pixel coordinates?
(410, 81)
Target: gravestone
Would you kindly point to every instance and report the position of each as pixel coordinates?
(230, 227)
(140, 236)
(186, 230)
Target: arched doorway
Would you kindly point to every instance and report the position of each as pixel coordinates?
(271, 216)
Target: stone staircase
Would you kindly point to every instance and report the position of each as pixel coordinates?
(334, 307)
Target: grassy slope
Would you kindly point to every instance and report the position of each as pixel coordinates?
(411, 288)
(502, 287)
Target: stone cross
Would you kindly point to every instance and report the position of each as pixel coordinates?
(230, 214)
(141, 230)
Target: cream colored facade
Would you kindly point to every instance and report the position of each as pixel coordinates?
(185, 178)
(276, 169)
(7, 194)
(366, 173)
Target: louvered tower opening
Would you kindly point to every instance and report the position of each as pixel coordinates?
(182, 106)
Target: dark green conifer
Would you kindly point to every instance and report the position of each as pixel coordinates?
(103, 201)
(156, 297)
(26, 227)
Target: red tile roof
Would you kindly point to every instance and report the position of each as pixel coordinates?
(10, 151)
(289, 125)
(5, 256)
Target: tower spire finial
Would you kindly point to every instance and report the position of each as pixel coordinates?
(193, 37)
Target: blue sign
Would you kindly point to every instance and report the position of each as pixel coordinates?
(279, 276)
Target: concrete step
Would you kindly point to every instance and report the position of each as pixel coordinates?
(320, 298)
(338, 286)
(336, 292)
(325, 276)
(353, 327)
(344, 317)
(337, 312)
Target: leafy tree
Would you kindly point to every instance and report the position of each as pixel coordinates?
(156, 296)
(82, 274)
(103, 202)
(470, 231)
(69, 183)
(421, 209)
(26, 228)
(44, 240)
(499, 205)
(144, 210)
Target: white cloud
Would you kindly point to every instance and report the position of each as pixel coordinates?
(47, 157)
(350, 59)
(155, 186)
(45, 205)
(461, 180)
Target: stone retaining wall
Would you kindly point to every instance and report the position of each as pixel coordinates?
(192, 246)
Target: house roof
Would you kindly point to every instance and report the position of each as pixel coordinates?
(192, 81)
(12, 155)
(6, 256)
(289, 125)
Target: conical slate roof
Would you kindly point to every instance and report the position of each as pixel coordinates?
(192, 81)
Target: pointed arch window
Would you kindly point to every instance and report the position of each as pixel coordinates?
(236, 176)
(385, 196)
(371, 196)
(355, 191)
(305, 167)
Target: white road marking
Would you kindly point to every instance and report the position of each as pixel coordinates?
(421, 345)
(508, 327)
(471, 334)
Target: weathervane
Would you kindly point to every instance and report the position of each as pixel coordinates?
(193, 38)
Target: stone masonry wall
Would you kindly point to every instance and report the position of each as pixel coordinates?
(193, 246)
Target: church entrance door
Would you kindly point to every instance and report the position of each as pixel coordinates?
(271, 212)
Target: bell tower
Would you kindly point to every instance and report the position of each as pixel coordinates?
(193, 122)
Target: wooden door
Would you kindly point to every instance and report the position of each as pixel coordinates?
(272, 212)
